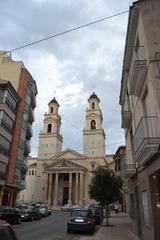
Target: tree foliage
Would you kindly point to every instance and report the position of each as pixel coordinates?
(105, 187)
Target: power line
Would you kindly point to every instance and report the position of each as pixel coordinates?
(65, 32)
(92, 147)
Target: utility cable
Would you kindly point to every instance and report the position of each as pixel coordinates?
(65, 32)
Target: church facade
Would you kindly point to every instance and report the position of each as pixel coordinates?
(61, 176)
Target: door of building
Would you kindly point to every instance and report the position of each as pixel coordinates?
(138, 217)
(65, 195)
(154, 181)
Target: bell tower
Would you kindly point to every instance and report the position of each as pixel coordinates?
(93, 133)
(50, 139)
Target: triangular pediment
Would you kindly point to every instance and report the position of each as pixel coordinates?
(63, 165)
(69, 154)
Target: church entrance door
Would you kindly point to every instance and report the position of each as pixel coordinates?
(65, 195)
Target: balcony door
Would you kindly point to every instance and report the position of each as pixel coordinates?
(154, 181)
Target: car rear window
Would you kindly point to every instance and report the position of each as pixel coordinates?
(79, 213)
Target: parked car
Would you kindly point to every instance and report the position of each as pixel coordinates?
(10, 215)
(97, 214)
(81, 220)
(93, 205)
(75, 206)
(49, 209)
(66, 207)
(7, 232)
(29, 213)
(43, 209)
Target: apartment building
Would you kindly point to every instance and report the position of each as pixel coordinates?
(140, 101)
(25, 86)
(119, 166)
(9, 101)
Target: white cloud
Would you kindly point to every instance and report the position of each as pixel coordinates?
(70, 64)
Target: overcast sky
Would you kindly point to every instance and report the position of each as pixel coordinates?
(70, 64)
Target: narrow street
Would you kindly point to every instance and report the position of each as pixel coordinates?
(45, 229)
(54, 228)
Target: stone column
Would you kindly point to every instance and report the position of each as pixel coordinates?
(76, 189)
(70, 188)
(81, 188)
(56, 189)
(50, 188)
(47, 187)
(44, 187)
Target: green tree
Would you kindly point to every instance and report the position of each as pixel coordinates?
(105, 188)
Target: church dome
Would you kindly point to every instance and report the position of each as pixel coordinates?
(94, 96)
(54, 101)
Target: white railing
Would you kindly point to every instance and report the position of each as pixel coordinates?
(147, 131)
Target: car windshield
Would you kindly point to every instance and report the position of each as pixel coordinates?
(43, 206)
(23, 207)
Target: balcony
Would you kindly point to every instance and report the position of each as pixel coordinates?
(146, 139)
(29, 132)
(2, 175)
(3, 168)
(31, 115)
(138, 74)
(33, 101)
(128, 166)
(20, 184)
(24, 167)
(27, 147)
(126, 114)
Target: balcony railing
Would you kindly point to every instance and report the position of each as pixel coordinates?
(137, 77)
(128, 165)
(8, 103)
(31, 115)
(33, 101)
(24, 167)
(19, 183)
(29, 132)
(2, 175)
(126, 114)
(146, 139)
(27, 147)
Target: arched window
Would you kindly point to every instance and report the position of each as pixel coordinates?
(93, 124)
(49, 129)
(51, 109)
(93, 105)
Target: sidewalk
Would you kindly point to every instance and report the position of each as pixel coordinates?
(119, 229)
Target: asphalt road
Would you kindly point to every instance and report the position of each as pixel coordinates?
(53, 227)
